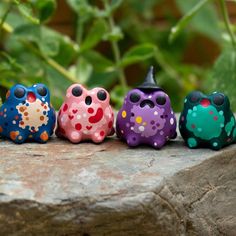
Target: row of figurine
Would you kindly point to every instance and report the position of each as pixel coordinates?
(146, 116)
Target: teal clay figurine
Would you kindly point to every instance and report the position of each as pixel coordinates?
(207, 121)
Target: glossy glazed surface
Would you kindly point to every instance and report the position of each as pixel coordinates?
(85, 115)
(27, 114)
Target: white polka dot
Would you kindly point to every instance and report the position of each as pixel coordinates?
(171, 121)
(84, 115)
(155, 113)
(155, 144)
(75, 135)
(85, 132)
(35, 85)
(141, 128)
(79, 117)
(122, 131)
(132, 128)
(96, 134)
(43, 99)
(150, 96)
(13, 122)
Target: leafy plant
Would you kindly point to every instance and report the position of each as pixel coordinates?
(32, 52)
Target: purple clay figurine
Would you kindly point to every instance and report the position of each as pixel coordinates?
(146, 116)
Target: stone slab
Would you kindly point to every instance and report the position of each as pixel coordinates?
(61, 188)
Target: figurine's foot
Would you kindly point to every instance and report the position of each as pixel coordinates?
(74, 136)
(42, 137)
(215, 144)
(17, 137)
(132, 140)
(158, 143)
(192, 142)
(173, 135)
(98, 137)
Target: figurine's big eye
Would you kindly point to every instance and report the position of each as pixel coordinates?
(219, 99)
(102, 95)
(42, 91)
(161, 100)
(77, 91)
(134, 97)
(19, 92)
(195, 97)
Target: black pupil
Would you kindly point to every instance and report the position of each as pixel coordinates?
(19, 93)
(161, 100)
(218, 99)
(102, 95)
(134, 97)
(195, 97)
(77, 91)
(42, 91)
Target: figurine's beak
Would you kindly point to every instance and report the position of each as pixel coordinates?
(31, 97)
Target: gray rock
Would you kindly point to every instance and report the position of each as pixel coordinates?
(64, 189)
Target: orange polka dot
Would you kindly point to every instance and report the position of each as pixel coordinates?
(27, 118)
(1, 129)
(22, 109)
(26, 113)
(44, 136)
(38, 110)
(41, 118)
(14, 134)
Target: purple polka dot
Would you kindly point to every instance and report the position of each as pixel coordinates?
(153, 127)
(152, 122)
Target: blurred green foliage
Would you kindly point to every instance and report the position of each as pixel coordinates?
(32, 52)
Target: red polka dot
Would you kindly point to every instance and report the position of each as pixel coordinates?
(102, 133)
(211, 112)
(110, 124)
(65, 107)
(193, 126)
(90, 110)
(215, 118)
(78, 126)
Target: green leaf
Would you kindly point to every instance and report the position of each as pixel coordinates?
(115, 35)
(224, 76)
(115, 4)
(94, 35)
(84, 9)
(100, 63)
(117, 95)
(137, 54)
(26, 10)
(45, 9)
(82, 70)
(184, 21)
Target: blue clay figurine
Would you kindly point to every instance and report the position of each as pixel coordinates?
(207, 121)
(27, 114)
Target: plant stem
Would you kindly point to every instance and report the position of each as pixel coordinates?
(8, 28)
(49, 61)
(4, 17)
(227, 21)
(116, 52)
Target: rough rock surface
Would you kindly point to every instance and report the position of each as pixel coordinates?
(64, 189)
